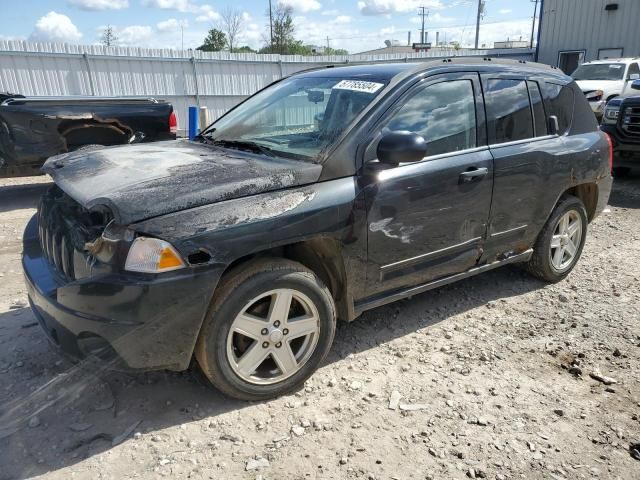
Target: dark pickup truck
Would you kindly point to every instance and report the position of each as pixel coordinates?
(326, 194)
(33, 129)
(621, 121)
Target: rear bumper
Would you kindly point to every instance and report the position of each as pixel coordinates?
(150, 321)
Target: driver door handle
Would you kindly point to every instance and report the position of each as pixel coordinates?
(473, 174)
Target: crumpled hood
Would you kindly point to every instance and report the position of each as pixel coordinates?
(137, 182)
(609, 87)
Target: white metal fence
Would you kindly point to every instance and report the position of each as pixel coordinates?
(217, 80)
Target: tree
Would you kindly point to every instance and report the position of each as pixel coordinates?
(231, 24)
(245, 49)
(215, 41)
(283, 29)
(335, 51)
(108, 37)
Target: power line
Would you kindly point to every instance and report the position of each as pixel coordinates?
(533, 23)
(423, 12)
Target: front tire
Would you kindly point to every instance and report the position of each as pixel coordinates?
(560, 242)
(270, 325)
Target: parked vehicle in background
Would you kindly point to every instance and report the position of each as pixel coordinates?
(33, 129)
(603, 80)
(621, 122)
(328, 193)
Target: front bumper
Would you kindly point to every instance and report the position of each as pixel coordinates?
(598, 107)
(150, 321)
(626, 150)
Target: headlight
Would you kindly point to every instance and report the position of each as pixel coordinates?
(611, 114)
(594, 96)
(152, 255)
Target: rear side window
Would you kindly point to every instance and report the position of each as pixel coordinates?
(508, 111)
(539, 117)
(443, 113)
(559, 102)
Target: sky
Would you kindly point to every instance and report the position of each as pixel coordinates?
(355, 25)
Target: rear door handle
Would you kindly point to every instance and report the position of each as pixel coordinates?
(473, 174)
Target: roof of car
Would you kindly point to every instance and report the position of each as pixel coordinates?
(388, 71)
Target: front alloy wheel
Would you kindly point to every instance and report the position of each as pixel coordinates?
(270, 325)
(273, 336)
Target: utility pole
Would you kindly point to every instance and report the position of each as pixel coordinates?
(480, 11)
(327, 42)
(533, 23)
(271, 23)
(423, 12)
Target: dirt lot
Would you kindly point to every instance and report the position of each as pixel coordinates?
(487, 378)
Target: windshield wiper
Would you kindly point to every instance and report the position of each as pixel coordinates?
(244, 145)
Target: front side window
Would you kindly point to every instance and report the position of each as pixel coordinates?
(508, 111)
(443, 114)
(299, 117)
(599, 71)
(634, 69)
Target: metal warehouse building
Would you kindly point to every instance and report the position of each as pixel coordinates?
(577, 31)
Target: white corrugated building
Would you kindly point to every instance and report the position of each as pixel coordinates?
(576, 31)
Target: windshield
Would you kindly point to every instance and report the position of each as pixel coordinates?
(297, 117)
(599, 71)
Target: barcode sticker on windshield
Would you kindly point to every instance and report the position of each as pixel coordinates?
(358, 86)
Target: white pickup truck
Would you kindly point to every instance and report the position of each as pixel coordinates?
(602, 80)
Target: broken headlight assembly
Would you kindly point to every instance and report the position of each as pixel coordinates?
(152, 255)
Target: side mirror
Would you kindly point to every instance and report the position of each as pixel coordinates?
(634, 76)
(635, 84)
(401, 147)
(554, 126)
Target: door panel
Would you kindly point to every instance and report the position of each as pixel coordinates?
(425, 222)
(428, 219)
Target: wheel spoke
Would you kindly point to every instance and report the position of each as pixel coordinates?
(573, 229)
(564, 223)
(285, 359)
(280, 305)
(249, 325)
(571, 249)
(252, 359)
(302, 326)
(555, 241)
(558, 255)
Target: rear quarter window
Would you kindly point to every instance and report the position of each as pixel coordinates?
(559, 101)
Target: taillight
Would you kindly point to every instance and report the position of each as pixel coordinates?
(173, 123)
(610, 142)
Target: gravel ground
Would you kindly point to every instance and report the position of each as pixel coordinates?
(492, 377)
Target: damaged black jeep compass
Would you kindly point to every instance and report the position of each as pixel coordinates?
(326, 194)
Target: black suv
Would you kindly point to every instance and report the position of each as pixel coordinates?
(326, 194)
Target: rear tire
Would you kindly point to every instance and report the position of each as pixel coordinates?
(560, 243)
(270, 325)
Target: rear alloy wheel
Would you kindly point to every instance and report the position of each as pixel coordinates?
(566, 239)
(270, 325)
(560, 242)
